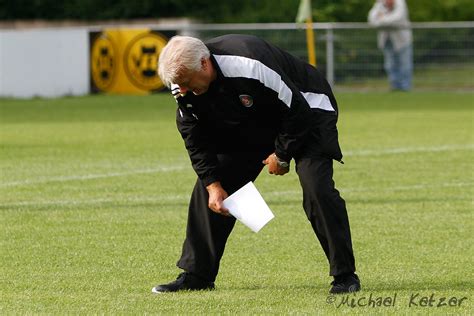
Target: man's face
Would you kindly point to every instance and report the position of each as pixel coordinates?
(196, 81)
(389, 4)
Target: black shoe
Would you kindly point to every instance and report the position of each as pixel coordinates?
(345, 284)
(185, 281)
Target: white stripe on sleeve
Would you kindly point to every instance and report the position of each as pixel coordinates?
(318, 101)
(238, 66)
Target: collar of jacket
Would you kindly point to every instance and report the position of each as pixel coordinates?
(219, 83)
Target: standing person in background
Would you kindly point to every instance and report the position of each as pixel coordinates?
(395, 39)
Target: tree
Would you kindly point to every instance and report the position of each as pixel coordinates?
(230, 11)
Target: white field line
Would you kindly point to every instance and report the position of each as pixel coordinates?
(185, 197)
(363, 152)
(406, 150)
(93, 176)
(382, 189)
(124, 201)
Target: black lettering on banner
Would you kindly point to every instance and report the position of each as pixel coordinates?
(141, 60)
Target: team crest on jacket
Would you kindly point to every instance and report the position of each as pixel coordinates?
(246, 100)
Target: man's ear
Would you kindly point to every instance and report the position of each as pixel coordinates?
(203, 64)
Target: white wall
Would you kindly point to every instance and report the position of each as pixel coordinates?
(45, 62)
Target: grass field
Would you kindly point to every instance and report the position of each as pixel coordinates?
(94, 192)
(449, 77)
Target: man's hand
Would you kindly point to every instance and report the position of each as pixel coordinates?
(274, 167)
(216, 196)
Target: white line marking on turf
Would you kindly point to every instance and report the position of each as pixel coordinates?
(185, 197)
(363, 152)
(117, 201)
(407, 150)
(382, 189)
(93, 176)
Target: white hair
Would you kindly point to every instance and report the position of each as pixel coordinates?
(181, 53)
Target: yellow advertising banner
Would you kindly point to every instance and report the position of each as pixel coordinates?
(124, 61)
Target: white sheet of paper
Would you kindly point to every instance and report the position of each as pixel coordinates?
(249, 207)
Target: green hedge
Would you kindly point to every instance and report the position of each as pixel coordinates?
(242, 11)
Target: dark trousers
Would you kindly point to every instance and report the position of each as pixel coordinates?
(207, 232)
(326, 211)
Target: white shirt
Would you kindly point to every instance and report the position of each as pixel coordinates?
(393, 24)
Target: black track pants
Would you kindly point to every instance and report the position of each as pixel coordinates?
(326, 211)
(207, 231)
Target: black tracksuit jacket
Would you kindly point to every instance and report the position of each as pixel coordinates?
(263, 100)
